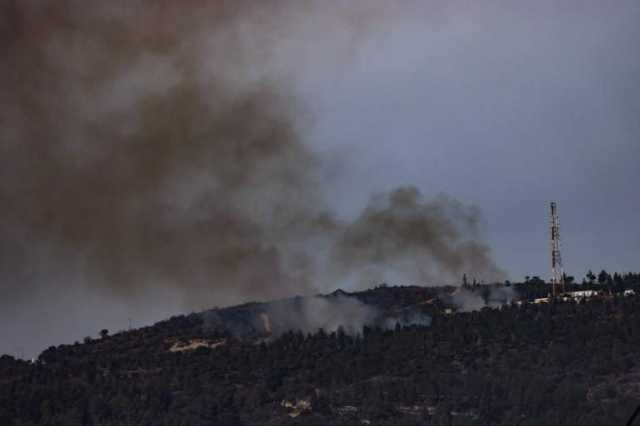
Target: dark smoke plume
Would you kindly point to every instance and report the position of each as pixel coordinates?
(401, 236)
(135, 144)
(154, 149)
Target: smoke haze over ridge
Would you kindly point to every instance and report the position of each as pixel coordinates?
(153, 159)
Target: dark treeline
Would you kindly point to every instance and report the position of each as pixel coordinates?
(562, 363)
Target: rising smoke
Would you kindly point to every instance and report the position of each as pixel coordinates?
(330, 313)
(402, 237)
(155, 147)
(310, 314)
(467, 300)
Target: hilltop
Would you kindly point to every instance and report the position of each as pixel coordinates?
(417, 358)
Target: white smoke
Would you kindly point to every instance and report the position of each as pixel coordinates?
(467, 300)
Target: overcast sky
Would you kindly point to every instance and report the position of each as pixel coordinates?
(506, 105)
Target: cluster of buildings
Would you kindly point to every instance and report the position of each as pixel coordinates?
(580, 295)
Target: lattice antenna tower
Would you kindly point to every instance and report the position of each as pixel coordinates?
(557, 272)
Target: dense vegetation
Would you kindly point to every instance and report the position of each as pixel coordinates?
(562, 363)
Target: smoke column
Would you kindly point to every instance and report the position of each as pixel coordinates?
(153, 157)
(401, 236)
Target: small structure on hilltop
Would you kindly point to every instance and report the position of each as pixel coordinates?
(583, 294)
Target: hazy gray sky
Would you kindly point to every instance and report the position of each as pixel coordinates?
(506, 105)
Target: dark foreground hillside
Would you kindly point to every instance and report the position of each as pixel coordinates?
(557, 364)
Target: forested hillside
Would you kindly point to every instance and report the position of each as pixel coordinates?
(561, 363)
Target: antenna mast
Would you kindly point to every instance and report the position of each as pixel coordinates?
(557, 272)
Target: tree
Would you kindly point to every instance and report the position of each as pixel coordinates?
(603, 277)
(591, 276)
(536, 280)
(104, 333)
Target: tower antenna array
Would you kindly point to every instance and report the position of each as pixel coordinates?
(557, 272)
